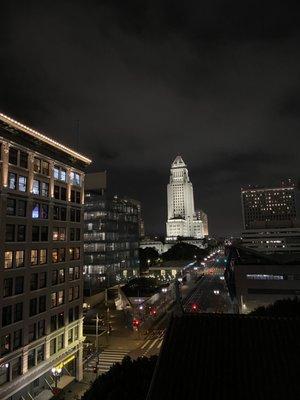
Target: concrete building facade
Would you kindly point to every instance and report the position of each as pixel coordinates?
(41, 253)
(182, 220)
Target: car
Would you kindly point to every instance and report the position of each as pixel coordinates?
(216, 291)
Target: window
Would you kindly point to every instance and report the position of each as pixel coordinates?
(11, 207)
(21, 210)
(21, 233)
(41, 328)
(58, 255)
(74, 234)
(32, 307)
(31, 358)
(35, 233)
(4, 373)
(19, 258)
(75, 196)
(19, 285)
(36, 189)
(43, 256)
(42, 280)
(52, 346)
(71, 315)
(59, 233)
(31, 332)
(60, 320)
(37, 165)
(59, 213)
(18, 312)
(42, 304)
(70, 297)
(22, 184)
(57, 298)
(74, 253)
(35, 210)
(5, 344)
(70, 336)
(59, 173)
(60, 342)
(34, 257)
(33, 281)
(45, 168)
(40, 354)
(12, 181)
(8, 287)
(40, 210)
(13, 156)
(17, 339)
(8, 259)
(23, 159)
(76, 333)
(44, 233)
(45, 189)
(6, 315)
(75, 178)
(10, 233)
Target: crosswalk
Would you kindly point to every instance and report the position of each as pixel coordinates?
(106, 360)
(152, 343)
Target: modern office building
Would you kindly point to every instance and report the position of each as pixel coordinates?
(272, 240)
(256, 279)
(270, 218)
(111, 237)
(182, 220)
(269, 207)
(41, 253)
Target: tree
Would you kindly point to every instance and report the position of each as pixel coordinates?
(183, 251)
(281, 308)
(149, 253)
(128, 380)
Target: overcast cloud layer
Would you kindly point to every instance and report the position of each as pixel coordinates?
(217, 82)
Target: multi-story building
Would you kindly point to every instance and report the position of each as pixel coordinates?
(265, 207)
(41, 253)
(270, 219)
(256, 279)
(182, 220)
(202, 216)
(111, 237)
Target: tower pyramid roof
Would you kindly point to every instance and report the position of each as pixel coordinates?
(178, 162)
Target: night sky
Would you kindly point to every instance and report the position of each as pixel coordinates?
(215, 81)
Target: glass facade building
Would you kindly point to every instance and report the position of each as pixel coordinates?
(111, 240)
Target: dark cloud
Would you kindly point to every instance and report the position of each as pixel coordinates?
(216, 81)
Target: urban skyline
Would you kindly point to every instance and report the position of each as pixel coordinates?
(149, 200)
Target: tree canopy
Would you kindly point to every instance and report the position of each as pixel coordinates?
(183, 251)
(281, 308)
(128, 380)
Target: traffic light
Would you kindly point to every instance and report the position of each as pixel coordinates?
(153, 312)
(194, 307)
(95, 370)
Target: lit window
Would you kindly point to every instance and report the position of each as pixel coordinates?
(36, 187)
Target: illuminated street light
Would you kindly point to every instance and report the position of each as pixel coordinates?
(56, 371)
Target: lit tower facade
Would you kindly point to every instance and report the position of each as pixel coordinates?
(182, 220)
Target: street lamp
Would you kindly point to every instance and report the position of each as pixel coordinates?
(56, 371)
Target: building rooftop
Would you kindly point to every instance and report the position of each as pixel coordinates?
(224, 356)
(11, 123)
(246, 256)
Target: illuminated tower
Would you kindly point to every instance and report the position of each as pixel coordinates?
(182, 220)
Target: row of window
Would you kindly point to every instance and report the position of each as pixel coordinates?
(37, 305)
(41, 188)
(36, 329)
(18, 207)
(20, 159)
(16, 259)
